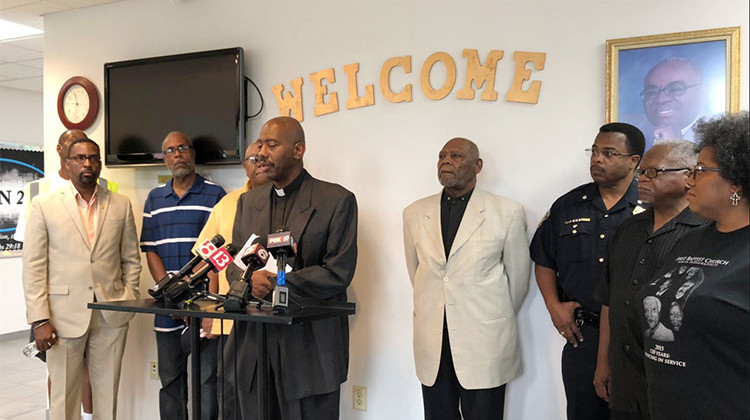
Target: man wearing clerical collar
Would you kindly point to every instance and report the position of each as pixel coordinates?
(322, 219)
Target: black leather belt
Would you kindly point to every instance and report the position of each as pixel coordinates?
(584, 317)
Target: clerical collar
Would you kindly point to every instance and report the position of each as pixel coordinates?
(463, 199)
(292, 187)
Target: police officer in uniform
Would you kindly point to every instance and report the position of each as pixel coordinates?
(569, 248)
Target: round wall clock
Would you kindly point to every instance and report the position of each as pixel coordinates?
(77, 103)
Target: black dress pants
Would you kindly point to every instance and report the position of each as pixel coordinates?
(442, 399)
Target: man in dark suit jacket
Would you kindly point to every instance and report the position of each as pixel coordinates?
(308, 361)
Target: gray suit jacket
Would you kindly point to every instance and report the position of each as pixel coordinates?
(314, 356)
(480, 288)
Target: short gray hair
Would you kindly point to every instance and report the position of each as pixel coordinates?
(681, 152)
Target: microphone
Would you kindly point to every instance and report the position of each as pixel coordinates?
(253, 238)
(218, 261)
(254, 258)
(204, 251)
(240, 292)
(182, 290)
(281, 245)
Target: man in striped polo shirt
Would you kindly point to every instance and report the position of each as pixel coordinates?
(173, 216)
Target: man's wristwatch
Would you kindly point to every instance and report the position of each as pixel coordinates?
(37, 324)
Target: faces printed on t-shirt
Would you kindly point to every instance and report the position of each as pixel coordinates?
(675, 316)
(664, 310)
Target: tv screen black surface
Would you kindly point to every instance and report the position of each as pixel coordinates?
(200, 94)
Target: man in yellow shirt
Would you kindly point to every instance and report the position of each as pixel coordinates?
(221, 221)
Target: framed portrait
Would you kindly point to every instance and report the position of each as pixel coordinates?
(663, 84)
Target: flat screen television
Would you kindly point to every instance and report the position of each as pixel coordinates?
(200, 94)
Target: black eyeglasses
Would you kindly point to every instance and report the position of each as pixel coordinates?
(608, 154)
(253, 159)
(652, 173)
(181, 148)
(698, 169)
(79, 159)
(674, 89)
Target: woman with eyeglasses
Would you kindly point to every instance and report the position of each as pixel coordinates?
(704, 371)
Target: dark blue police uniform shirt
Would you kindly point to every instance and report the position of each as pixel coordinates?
(573, 237)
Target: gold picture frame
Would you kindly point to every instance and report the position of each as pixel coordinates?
(644, 73)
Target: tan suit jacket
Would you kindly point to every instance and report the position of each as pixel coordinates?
(480, 288)
(62, 273)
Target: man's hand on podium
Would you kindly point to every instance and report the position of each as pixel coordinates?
(262, 284)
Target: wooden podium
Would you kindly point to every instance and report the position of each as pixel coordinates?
(208, 309)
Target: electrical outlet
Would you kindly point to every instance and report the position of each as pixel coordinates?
(153, 370)
(359, 397)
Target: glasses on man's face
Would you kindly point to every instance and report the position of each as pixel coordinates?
(693, 173)
(253, 159)
(673, 90)
(652, 173)
(183, 148)
(80, 159)
(606, 153)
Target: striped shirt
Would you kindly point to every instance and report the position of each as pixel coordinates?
(171, 226)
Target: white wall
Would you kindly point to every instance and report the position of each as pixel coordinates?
(21, 117)
(386, 153)
(21, 122)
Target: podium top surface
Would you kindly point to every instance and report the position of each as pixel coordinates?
(208, 309)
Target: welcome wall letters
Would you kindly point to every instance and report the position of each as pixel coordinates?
(290, 103)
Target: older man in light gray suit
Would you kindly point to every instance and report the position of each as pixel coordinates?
(468, 261)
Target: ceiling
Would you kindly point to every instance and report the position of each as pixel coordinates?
(21, 59)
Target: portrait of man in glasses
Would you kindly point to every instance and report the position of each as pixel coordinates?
(673, 95)
(664, 90)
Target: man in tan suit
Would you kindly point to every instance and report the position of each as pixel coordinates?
(80, 246)
(468, 261)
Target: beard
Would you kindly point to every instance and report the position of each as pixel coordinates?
(182, 169)
(87, 179)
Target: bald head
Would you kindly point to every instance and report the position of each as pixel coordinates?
(466, 144)
(291, 128)
(176, 137)
(683, 66)
(66, 139)
(68, 136)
